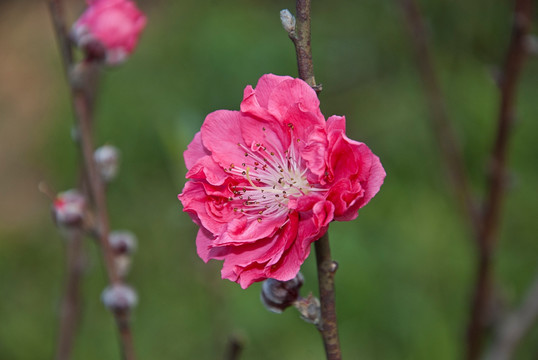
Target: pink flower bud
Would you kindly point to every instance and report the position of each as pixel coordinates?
(109, 29)
(277, 295)
(107, 158)
(68, 208)
(119, 298)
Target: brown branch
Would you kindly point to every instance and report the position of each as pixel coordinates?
(57, 13)
(82, 94)
(513, 328)
(301, 40)
(328, 325)
(70, 308)
(447, 140)
(496, 188)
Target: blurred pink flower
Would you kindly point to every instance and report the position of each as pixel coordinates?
(266, 181)
(115, 24)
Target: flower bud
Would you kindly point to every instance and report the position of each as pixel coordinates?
(531, 44)
(277, 295)
(309, 308)
(109, 30)
(119, 297)
(68, 208)
(123, 244)
(288, 20)
(107, 158)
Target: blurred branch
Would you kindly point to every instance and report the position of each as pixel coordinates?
(235, 347)
(447, 140)
(486, 225)
(57, 14)
(71, 302)
(497, 178)
(513, 328)
(82, 86)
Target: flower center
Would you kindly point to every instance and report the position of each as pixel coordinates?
(272, 179)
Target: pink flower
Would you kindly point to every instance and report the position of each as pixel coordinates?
(266, 181)
(114, 24)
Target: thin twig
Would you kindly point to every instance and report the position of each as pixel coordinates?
(82, 97)
(513, 328)
(70, 308)
(328, 325)
(496, 188)
(301, 40)
(57, 13)
(447, 140)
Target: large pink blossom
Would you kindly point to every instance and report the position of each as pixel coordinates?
(266, 181)
(115, 24)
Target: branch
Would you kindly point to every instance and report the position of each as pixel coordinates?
(496, 187)
(70, 308)
(82, 88)
(328, 325)
(301, 40)
(514, 327)
(448, 143)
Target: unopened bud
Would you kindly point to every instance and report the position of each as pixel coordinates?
(122, 242)
(68, 208)
(288, 21)
(107, 158)
(531, 44)
(309, 308)
(119, 297)
(277, 295)
(109, 30)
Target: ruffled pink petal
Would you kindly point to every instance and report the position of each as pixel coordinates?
(255, 100)
(203, 244)
(290, 93)
(221, 135)
(214, 213)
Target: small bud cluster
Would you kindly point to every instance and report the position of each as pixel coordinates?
(119, 298)
(107, 159)
(277, 295)
(123, 245)
(68, 209)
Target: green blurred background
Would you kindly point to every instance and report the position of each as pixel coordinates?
(407, 262)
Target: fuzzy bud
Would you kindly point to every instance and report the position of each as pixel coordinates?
(309, 308)
(277, 295)
(119, 298)
(123, 244)
(107, 158)
(109, 30)
(68, 208)
(288, 21)
(531, 44)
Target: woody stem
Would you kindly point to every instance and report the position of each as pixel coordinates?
(328, 325)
